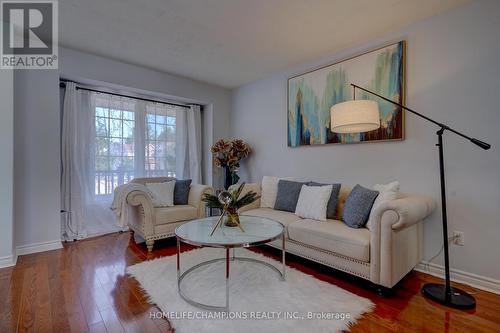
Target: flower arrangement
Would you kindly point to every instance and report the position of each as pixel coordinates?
(230, 202)
(228, 154)
(235, 202)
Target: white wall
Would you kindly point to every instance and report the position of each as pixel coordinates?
(37, 131)
(453, 75)
(7, 256)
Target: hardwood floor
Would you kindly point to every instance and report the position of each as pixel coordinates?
(83, 288)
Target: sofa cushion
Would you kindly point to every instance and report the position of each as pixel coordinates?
(343, 194)
(269, 190)
(358, 206)
(331, 209)
(165, 215)
(254, 187)
(387, 192)
(334, 236)
(288, 195)
(284, 217)
(313, 201)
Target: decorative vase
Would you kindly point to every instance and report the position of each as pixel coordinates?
(232, 219)
(228, 179)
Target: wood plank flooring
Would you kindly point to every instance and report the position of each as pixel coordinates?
(83, 288)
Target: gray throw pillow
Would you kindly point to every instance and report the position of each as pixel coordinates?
(181, 191)
(288, 195)
(358, 206)
(331, 209)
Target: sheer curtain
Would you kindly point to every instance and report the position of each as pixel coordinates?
(188, 140)
(77, 162)
(85, 196)
(107, 141)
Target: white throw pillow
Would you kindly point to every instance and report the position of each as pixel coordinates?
(313, 201)
(163, 193)
(387, 192)
(269, 191)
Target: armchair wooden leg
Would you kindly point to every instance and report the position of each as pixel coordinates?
(149, 244)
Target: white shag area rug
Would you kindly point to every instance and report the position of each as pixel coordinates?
(260, 301)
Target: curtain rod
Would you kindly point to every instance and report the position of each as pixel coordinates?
(62, 84)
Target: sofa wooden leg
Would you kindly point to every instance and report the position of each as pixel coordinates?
(149, 244)
(384, 291)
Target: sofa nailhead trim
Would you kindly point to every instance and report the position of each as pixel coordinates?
(331, 253)
(340, 268)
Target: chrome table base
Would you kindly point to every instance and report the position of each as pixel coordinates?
(228, 258)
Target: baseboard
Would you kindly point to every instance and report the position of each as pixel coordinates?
(473, 280)
(38, 247)
(8, 261)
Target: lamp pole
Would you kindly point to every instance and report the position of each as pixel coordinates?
(443, 294)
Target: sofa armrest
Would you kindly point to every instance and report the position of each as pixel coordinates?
(408, 210)
(196, 192)
(396, 238)
(143, 201)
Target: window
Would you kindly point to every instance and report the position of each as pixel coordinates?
(160, 141)
(133, 139)
(114, 151)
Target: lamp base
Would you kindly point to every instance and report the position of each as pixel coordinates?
(459, 299)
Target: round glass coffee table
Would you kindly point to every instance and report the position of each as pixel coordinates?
(258, 231)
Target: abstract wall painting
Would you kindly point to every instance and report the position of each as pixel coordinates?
(312, 94)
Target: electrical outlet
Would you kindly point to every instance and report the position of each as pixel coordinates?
(458, 238)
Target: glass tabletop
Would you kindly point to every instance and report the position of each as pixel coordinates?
(258, 230)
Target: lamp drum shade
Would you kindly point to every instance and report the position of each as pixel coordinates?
(355, 116)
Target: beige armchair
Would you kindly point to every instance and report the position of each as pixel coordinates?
(153, 223)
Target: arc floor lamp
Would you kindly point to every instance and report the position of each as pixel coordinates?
(359, 116)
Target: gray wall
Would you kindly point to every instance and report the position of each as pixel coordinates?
(36, 157)
(453, 75)
(6, 167)
(84, 67)
(37, 130)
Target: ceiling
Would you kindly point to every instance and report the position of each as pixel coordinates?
(231, 42)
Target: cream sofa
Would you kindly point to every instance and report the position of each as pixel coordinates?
(153, 223)
(383, 255)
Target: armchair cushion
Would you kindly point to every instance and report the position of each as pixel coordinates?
(144, 180)
(163, 193)
(181, 191)
(165, 215)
